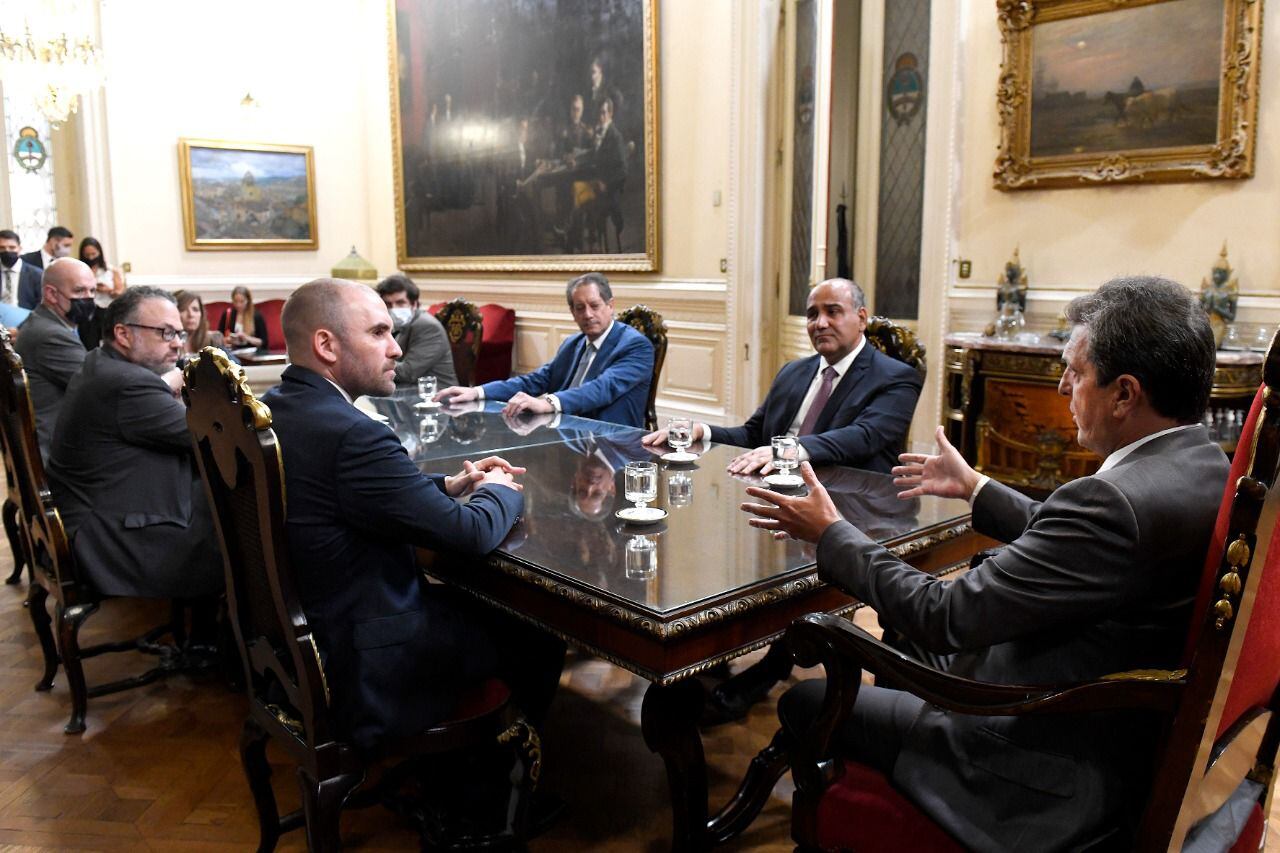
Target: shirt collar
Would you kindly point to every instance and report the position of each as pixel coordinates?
(1117, 456)
(842, 366)
(46, 257)
(341, 390)
(17, 267)
(599, 339)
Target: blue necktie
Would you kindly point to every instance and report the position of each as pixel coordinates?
(584, 361)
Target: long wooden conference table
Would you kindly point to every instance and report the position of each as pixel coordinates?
(717, 590)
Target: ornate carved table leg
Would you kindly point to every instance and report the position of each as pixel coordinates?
(669, 720)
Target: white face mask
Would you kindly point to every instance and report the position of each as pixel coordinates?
(401, 316)
(62, 251)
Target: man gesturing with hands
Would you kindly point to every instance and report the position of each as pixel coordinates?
(1099, 578)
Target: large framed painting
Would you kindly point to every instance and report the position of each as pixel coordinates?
(525, 134)
(238, 195)
(1112, 91)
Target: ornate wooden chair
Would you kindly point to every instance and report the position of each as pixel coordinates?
(649, 323)
(464, 325)
(53, 566)
(1223, 703)
(243, 471)
(897, 342)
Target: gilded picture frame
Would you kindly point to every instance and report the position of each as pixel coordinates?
(1082, 102)
(246, 196)
(493, 168)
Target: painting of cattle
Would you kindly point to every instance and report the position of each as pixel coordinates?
(1145, 77)
(1151, 90)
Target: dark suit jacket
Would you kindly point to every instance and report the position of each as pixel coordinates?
(51, 354)
(30, 284)
(1097, 579)
(227, 323)
(863, 424)
(33, 259)
(426, 351)
(608, 162)
(616, 387)
(122, 472)
(357, 506)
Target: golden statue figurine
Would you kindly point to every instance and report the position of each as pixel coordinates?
(1219, 295)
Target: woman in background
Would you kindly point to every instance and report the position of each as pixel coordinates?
(196, 324)
(235, 328)
(110, 285)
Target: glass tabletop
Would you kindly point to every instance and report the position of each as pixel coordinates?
(701, 550)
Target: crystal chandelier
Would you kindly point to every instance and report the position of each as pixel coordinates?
(53, 54)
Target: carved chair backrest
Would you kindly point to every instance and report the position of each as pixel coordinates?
(1234, 623)
(649, 323)
(243, 470)
(41, 526)
(897, 342)
(464, 325)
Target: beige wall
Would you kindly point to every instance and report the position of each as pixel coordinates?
(1074, 239)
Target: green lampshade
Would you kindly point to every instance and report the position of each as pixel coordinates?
(354, 268)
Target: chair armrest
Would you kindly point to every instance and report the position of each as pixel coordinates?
(838, 643)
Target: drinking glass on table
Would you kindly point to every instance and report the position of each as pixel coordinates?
(679, 433)
(641, 558)
(640, 483)
(426, 390)
(679, 488)
(786, 453)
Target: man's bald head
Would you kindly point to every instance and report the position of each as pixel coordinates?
(316, 305)
(65, 280)
(64, 273)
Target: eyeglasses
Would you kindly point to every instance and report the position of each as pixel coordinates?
(166, 333)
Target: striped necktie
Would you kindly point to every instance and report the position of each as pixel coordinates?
(584, 362)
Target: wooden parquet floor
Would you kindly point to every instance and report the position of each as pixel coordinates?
(158, 768)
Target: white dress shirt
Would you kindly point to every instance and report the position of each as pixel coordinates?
(13, 279)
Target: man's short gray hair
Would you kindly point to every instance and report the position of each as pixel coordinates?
(856, 297)
(124, 309)
(596, 278)
(313, 306)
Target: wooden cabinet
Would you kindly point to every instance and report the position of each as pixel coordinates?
(1002, 410)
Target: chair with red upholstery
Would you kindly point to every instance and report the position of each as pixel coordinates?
(271, 310)
(214, 311)
(1219, 712)
(243, 470)
(497, 343)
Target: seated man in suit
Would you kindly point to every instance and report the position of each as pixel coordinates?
(49, 343)
(19, 280)
(602, 373)
(120, 464)
(1098, 578)
(398, 652)
(850, 404)
(421, 338)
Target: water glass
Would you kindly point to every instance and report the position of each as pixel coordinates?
(430, 429)
(426, 388)
(679, 433)
(786, 453)
(679, 488)
(640, 483)
(641, 558)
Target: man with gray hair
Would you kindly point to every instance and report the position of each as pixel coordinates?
(604, 372)
(120, 464)
(49, 344)
(849, 404)
(1097, 579)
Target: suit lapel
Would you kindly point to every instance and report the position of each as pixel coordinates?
(793, 395)
(606, 348)
(561, 380)
(853, 376)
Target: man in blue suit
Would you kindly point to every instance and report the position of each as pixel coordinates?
(849, 405)
(397, 652)
(20, 281)
(602, 373)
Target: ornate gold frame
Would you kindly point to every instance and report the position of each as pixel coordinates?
(1231, 156)
(647, 261)
(206, 244)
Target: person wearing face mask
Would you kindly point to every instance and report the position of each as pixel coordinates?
(419, 335)
(19, 280)
(57, 244)
(49, 344)
(120, 463)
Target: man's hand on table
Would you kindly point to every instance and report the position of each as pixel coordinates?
(492, 470)
(804, 518)
(759, 461)
(455, 394)
(658, 438)
(522, 403)
(945, 475)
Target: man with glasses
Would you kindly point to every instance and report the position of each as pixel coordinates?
(49, 344)
(120, 464)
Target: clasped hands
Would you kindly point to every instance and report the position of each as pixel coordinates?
(806, 517)
(492, 470)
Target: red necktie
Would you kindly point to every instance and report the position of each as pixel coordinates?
(819, 400)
